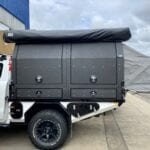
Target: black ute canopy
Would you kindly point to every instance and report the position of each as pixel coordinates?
(67, 36)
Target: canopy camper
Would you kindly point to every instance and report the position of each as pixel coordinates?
(61, 77)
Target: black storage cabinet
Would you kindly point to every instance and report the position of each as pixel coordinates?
(62, 68)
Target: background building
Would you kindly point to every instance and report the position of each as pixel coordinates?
(14, 14)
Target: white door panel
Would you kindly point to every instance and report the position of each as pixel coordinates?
(4, 90)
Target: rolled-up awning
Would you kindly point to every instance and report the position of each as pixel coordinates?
(67, 36)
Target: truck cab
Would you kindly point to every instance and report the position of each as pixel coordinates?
(5, 79)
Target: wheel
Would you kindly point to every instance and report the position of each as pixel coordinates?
(48, 129)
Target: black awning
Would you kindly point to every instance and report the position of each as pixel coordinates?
(67, 36)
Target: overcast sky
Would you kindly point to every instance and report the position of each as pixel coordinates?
(88, 14)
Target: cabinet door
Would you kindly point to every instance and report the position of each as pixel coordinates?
(93, 93)
(93, 60)
(43, 62)
(39, 93)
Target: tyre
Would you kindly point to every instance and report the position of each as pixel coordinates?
(48, 129)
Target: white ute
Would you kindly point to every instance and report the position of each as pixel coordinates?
(5, 79)
(7, 106)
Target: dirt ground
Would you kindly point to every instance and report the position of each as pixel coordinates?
(127, 128)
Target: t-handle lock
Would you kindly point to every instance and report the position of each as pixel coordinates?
(38, 93)
(39, 79)
(93, 93)
(93, 79)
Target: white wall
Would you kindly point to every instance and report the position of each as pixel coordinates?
(3, 27)
(9, 20)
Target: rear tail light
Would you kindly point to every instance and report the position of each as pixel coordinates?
(10, 63)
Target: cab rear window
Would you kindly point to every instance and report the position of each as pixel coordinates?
(1, 68)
